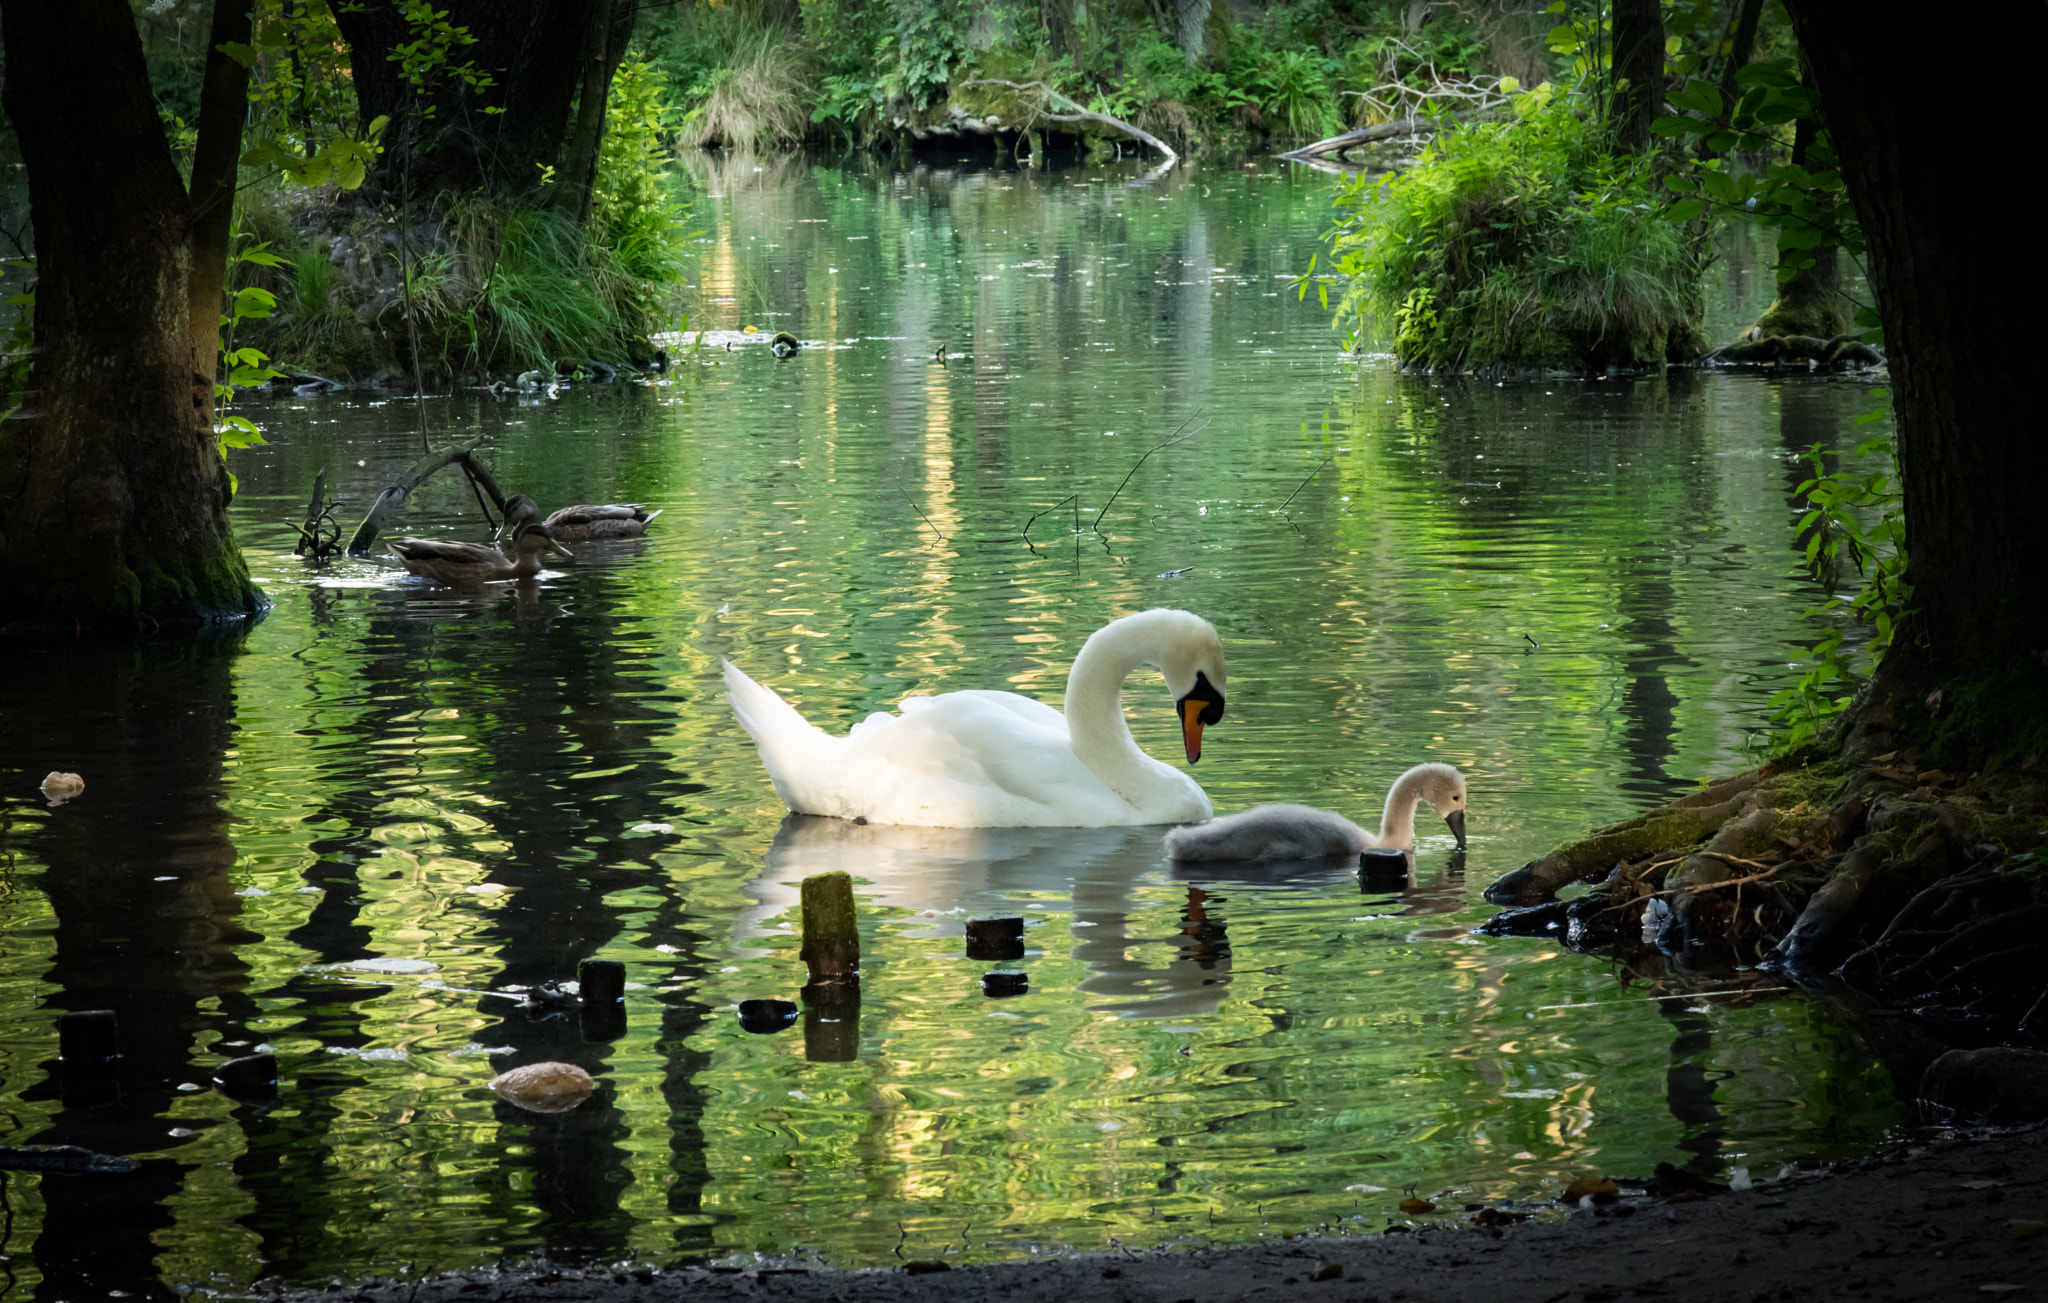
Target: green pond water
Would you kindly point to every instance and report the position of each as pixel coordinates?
(1578, 591)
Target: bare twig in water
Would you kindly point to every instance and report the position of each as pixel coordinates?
(1304, 484)
(1047, 512)
(1178, 437)
(920, 512)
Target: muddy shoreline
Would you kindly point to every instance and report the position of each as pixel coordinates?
(1951, 1216)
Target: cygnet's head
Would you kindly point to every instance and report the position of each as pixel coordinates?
(1187, 651)
(1444, 788)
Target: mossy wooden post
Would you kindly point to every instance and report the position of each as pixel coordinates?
(831, 947)
(831, 951)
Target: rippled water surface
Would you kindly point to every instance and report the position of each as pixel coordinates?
(1578, 591)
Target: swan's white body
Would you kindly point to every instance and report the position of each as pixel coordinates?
(1300, 832)
(981, 759)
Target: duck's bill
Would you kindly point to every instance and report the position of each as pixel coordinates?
(1456, 819)
(558, 548)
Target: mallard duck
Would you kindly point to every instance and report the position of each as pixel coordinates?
(982, 759)
(1300, 832)
(582, 524)
(467, 564)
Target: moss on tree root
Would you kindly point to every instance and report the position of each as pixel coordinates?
(1923, 887)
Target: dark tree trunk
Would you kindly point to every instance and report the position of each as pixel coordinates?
(1809, 303)
(1958, 321)
(1741, 43)
(440, 137)
(216, 166)
(1638, 72)
(113, 496)
(609, 35)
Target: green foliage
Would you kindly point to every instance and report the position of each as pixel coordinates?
(429, 58)
(1806, 202)
(929, 42)
(1850, 519)
(246, 367)
(632, 218)
(1291, 88)
(1519, 244)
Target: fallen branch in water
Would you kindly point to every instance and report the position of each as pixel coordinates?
(1078, 113)
(1178, 437)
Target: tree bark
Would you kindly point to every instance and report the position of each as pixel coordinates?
(1638, 72)
(1807, 304)
(1956, 313)
(216, 166)
(610, 33)
(441, 137)
(113, 495)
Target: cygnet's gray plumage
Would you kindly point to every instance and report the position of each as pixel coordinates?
(1300, 832)
(1268, 832)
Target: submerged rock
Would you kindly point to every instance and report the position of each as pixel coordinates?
(1996, 1086)
(544, 1087)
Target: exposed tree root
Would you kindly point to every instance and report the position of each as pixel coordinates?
(1919, 889)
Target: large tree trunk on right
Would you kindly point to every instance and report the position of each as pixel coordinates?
(1958, 322)
(440, 138)
(113, 496)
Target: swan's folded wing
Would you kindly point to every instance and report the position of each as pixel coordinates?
(1025, 708)
(977, 758)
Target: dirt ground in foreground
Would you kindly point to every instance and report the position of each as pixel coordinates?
(1956, 1218)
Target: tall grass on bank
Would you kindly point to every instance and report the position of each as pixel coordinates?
(491, 283)
(1517, 245)
(760, 97)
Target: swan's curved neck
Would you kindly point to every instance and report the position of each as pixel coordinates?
(1397, 821)
(1095, 710)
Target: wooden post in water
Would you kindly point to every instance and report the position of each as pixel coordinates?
(831, 951)
(831, 947)
(601, 983)
(89, 1046)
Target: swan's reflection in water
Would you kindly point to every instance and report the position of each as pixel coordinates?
(1093, 875)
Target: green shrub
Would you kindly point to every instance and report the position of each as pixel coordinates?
(1517, 244)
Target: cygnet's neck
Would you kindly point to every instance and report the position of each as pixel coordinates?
(1095, 709)
(1397, 821)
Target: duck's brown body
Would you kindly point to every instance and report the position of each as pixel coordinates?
(468, 564)
(610, 520)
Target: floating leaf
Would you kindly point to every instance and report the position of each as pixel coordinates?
(1415, 1207)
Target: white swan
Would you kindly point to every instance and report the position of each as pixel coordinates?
(1300, 832)
(980, 759)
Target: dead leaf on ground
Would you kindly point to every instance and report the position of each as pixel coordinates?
(1687, 1196)
(1601, 1188)
(1326, 1270)
(1497, 1217)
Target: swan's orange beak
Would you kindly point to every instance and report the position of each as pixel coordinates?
(1202, 705)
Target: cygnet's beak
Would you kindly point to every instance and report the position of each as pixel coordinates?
(1202, 705)
(1456, 819)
